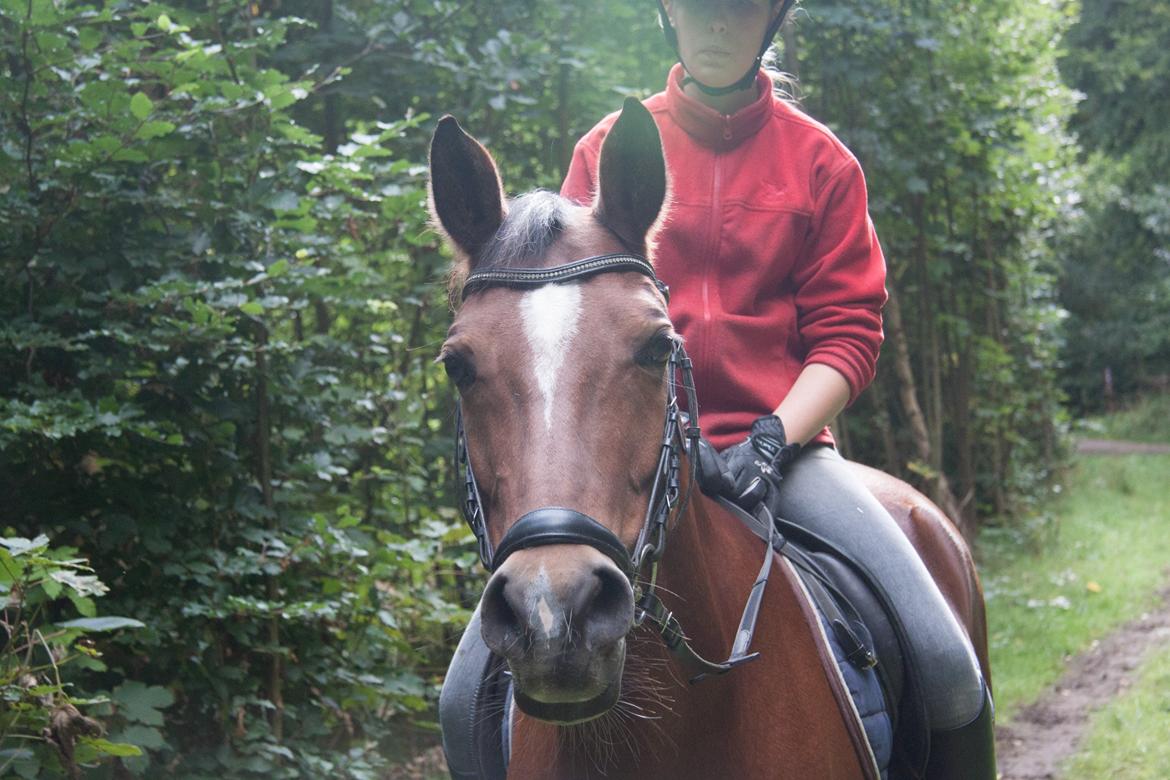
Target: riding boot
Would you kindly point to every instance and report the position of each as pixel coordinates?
(967, 752)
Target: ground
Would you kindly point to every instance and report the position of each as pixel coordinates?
(1052, 736)
(1047, 733)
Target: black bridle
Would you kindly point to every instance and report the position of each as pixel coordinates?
(558, 525)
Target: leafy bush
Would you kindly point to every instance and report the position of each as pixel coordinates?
(216, 380)
(42, 727)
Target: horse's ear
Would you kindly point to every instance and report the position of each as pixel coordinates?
(631, 184)
(466, 195)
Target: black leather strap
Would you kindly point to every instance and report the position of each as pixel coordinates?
(537, 277)
(557, 525)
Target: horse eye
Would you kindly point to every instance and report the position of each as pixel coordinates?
(460, 370)
(656, 351)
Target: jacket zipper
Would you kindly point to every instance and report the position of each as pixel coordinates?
(709, 256)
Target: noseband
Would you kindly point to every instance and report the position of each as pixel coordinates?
(558, 525)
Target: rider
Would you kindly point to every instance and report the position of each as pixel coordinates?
(777, 281)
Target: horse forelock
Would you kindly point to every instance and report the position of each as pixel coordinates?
(534, 222)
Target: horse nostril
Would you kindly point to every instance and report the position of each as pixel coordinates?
(596, 608)
(610, 612)
(500, 624)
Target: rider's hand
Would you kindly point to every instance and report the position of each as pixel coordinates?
(756, 464)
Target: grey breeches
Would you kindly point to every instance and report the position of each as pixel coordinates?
(819, 493)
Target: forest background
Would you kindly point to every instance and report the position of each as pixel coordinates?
(231, 546)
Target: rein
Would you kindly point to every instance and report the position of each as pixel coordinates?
(559, 525)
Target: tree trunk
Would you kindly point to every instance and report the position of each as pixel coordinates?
(881, 418)
(907, 393)
(264, 477)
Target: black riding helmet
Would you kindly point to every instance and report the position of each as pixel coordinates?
(750, 76)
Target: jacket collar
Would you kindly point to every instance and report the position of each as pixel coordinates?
(708, 126)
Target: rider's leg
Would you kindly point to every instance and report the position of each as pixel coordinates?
(820, 494)
(471, 709)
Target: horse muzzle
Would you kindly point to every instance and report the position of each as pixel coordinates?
(558, 611)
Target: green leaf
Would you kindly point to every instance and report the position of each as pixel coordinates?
(140, 105)
(10, 568)
(51, 587)
(83, 604)
(144, 736)
(20, 546)
(105, 747)
(283, 201)
(102, 623)
(154, 129)
(141, 703)
(83, 584)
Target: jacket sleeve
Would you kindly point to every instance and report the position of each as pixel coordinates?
(840, 285)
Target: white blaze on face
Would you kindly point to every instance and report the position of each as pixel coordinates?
(550, 321)
(538, 596)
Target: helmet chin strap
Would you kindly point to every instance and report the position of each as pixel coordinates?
(749, 78)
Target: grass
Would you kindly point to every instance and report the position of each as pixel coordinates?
(1128, 738)
(1096, 561)
(1145, 420)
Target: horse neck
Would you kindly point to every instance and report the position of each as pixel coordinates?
(708, 569)
(661, 714)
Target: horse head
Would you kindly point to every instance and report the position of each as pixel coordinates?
(563, 388)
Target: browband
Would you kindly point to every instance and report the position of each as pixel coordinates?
(579, 269)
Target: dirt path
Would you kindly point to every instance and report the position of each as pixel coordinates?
(1114, 447)
(1048, 732)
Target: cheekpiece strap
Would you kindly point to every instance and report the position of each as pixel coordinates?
(579, 269)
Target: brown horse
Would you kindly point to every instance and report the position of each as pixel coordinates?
(565, 380)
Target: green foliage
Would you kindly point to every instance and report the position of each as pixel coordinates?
(1117, 249)
(216, 378)
(1145, 420)
(42, 729)
(955, 110)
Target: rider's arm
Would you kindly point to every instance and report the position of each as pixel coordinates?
(839, 293)
(819, 395)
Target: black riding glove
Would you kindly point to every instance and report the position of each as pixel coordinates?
(714, 479)
(756, 464)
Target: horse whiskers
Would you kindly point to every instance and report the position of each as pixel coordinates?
(635, 723)
(494, 712)
(659, 587)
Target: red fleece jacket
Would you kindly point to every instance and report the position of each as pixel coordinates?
(768, 249)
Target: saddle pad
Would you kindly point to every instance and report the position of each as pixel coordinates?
(868, 699)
